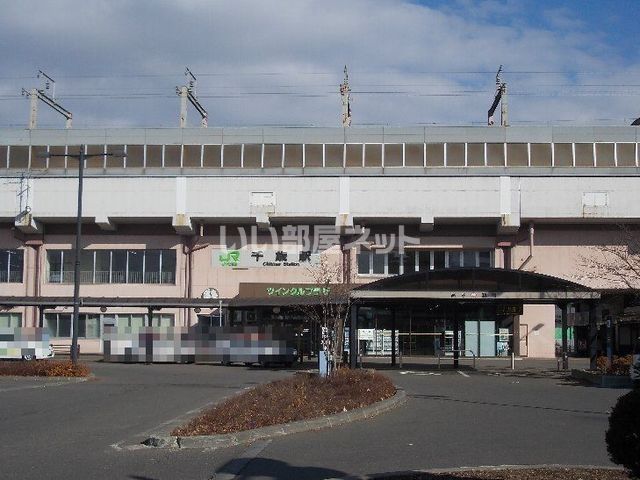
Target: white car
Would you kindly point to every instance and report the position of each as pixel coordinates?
(27, 343)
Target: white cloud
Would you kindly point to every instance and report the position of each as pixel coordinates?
(254, 56)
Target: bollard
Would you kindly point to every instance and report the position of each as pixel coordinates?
(513, 361)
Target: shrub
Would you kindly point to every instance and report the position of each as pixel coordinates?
(619, 365)
(623, 436)
(296, 398)
(44, 368)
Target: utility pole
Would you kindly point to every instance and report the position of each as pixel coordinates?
(81, 156)
(501, 98)
(345, 94)
(41, 94)
(188, 92)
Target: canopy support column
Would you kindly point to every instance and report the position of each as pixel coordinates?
(456, 343)
(593, 337)
(353, 337)
(393, 337)
(565, 354)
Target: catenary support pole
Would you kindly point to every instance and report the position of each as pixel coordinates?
(76, 266)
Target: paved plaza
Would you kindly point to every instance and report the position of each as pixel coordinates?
(492, 416)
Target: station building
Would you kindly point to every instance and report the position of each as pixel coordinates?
(484, 231)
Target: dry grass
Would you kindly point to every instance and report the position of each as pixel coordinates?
(520, 474)
(43, 368)
(300, 397)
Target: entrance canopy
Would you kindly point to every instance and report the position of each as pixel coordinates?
(475, 284)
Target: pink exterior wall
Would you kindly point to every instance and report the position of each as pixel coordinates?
(558, 251)
(565, 252)
(537, 324)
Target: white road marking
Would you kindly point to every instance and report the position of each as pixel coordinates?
(463, 374)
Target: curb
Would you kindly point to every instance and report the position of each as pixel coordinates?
(491, 468)
(213, 442)
(603, 381)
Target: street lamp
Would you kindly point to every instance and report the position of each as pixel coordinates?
(81, 156)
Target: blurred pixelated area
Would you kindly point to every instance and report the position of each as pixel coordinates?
(25, 343)
(199, 344)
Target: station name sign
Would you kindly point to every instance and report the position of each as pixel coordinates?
(263, 258)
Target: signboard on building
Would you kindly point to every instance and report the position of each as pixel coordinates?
(263, 257)
(502, 309)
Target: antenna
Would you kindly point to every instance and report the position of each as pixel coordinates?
(188, 92)
(41, 94)
(501, 98)
(345, 93)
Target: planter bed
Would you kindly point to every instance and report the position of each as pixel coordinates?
(606, 381)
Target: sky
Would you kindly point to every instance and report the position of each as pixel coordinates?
(117, 63)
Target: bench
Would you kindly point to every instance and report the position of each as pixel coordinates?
(62, 349)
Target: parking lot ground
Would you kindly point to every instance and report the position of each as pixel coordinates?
(449, 420)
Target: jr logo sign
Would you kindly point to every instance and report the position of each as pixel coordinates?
(230, 258)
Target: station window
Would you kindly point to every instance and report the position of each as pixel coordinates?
(56, 158)
(272, 156)
(10, 320)
(116, 159)
(475, 154)
(333, 155)
(495, 154)
(373, 155)
(455, 154)
(424, 260)
(191, 156)
(172, 156)
(626, 153)
(59, 325)
(252, 156)
(517, 154)
(584, 154)
(114, 266)
(435, 154)
(395, 263)
(11, 266)
(605, 155)
(293, 156)
(19, 157)
(354, 155)
(232, 156)
(414, 155)
(563, 155)
(4, 156)
(154, 156)
(540, 154)
(313, 155)
(211, 156)
(392, 155)
(38, 157)
(95, 156)
(135, 156)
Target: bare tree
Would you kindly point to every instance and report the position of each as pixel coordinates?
(331, 309)
(614, 264)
